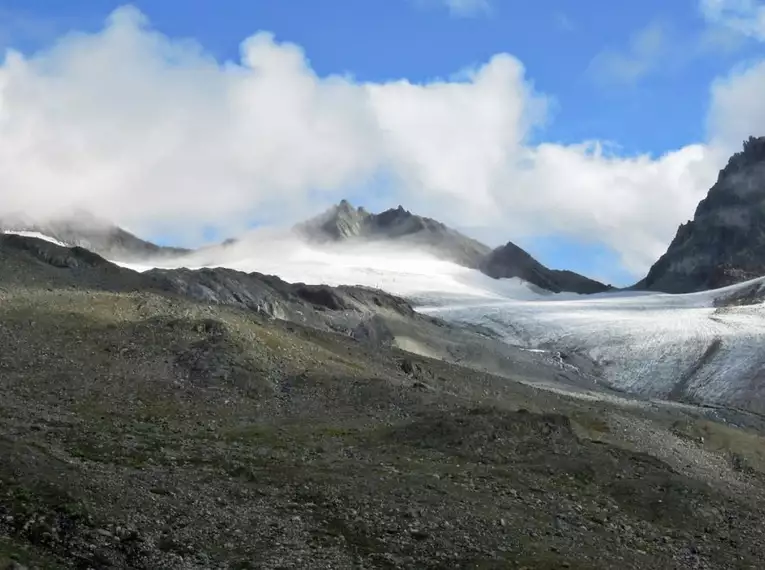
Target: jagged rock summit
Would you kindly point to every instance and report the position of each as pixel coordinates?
(339, 222)
(344, 222)
(512, 261)
(725, 242)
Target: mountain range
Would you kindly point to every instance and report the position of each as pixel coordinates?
(723, 244)
(340, 223)
(343, 222)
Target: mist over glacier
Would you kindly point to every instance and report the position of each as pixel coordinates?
(395, 268)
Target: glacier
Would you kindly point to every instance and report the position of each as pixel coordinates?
(683, 348)
(677, 347)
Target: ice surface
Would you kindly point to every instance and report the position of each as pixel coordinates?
(659, 345)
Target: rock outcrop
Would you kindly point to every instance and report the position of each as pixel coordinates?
(344, 222)
(725, 242)
(513, 261)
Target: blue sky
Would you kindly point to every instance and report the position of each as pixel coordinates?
(633, 74)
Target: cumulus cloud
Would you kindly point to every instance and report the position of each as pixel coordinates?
(156, 134)
(738, 105)
(746, 17)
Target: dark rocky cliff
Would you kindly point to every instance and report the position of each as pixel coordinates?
(512, 261)
(725, 242)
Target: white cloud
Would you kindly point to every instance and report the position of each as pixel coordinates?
(632, 204)
(453, 140)
(738, 105)
(746, 17)
(157, 135)
(646, 49)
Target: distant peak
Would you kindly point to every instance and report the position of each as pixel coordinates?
(398, 212)
(345, 208)
(70, 218)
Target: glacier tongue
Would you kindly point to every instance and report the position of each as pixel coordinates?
(676, 347)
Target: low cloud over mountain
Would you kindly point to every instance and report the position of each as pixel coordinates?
(159, 136)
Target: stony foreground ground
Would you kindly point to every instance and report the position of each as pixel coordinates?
(143, 431)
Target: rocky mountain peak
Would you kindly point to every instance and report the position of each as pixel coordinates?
(752, 154)
(339, 222)
(396, 225)
(84, 229)
(512, 261)
(725, 242)
(344, 208)
(400, 226)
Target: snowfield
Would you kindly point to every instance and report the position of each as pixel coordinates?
(37, 235)
(400, 271)
(677, 347)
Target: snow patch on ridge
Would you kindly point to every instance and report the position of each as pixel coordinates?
(37, 235)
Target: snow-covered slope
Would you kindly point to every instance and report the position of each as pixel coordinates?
(37, 235)
(670, 346)
(398, 270)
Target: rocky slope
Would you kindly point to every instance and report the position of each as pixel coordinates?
(84, 230)
(725, 242)
(146, 428)
(512, 261)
